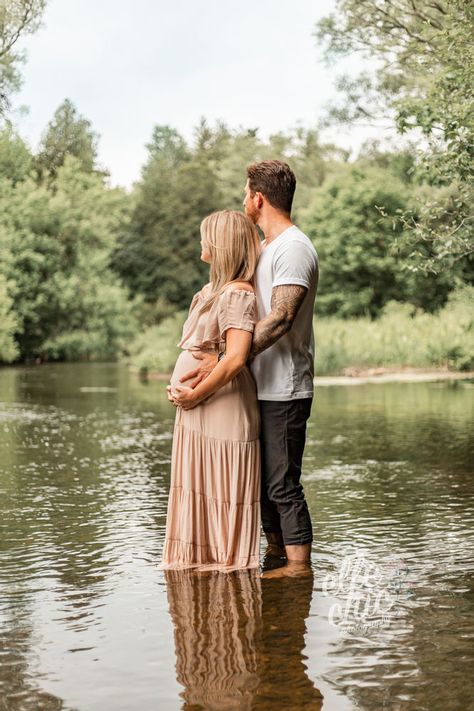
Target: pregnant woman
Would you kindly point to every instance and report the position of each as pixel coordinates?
(213, 519)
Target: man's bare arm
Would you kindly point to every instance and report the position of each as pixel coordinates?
(285, 303)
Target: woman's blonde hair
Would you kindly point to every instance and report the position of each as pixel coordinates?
(234, 246)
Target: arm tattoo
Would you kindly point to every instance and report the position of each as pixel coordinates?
(286, 301)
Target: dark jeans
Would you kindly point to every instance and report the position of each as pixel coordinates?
(283, 435)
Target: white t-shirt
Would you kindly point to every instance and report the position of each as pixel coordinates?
(285, 371)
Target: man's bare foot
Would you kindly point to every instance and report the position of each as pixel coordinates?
(293, 569)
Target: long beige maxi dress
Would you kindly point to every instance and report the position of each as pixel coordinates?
(213, 519)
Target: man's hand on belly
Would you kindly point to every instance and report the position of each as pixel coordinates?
(205, 368)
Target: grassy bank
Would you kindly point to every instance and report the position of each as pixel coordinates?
(399, 339)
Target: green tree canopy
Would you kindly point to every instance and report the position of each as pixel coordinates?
(56, 247)
(158, 255)
(16, 159)
(8, 324)
(17, 18)
(423, 81)
(67, 134)
(361, 267)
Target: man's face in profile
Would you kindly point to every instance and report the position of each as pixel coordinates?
(250, 206)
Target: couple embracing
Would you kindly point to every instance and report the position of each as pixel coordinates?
(241, 415)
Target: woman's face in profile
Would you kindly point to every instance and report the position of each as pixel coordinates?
(205, 254)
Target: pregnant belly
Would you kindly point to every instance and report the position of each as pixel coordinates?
(184, 364)
(231, 413)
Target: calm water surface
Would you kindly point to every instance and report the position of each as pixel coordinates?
(89, 623)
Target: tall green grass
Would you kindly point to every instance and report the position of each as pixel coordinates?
(400, 338)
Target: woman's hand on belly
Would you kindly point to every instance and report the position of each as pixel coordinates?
(184, 397)
(169, 393)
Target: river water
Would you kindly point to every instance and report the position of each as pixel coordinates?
(89, 623)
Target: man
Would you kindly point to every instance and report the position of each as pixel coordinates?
(282, 358)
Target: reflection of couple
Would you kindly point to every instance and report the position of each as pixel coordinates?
(229, 434)
(239, 640)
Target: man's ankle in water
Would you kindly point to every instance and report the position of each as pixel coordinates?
(275, 545)
(299, 553)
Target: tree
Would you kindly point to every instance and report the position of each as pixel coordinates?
(242, 148)
(423, 52)
(67, 134)
(56, 246)
(17, 18)
(235, 150)
(8, 324)
(357, 246)
(16, 159)
(158, 254)
(312, 162)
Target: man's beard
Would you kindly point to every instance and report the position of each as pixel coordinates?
(253, 213)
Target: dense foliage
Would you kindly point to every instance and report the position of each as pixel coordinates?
(57, 291)
(17, 18)
(91, 271)
(422, 54)
(85, 267)
(360, 250)
(157, 255)
(400, 337)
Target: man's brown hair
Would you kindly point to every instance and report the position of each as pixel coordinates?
(275, 180)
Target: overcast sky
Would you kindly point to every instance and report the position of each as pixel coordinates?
(128, 65)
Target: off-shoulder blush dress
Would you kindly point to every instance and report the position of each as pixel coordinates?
(213, 519)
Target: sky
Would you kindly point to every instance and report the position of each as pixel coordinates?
(129, 65)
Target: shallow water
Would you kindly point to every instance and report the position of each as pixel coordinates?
(88, 622)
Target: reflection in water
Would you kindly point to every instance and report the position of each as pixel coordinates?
(217, 619)
(284, 681)
(84, 622)
(239, 640)
(18, 686)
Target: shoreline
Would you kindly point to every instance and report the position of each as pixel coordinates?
(364, 377)
(396, 376)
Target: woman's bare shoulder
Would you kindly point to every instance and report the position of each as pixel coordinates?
(240, 286)
(206, 288)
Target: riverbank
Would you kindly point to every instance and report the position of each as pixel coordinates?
(384, 375)
(361, 377)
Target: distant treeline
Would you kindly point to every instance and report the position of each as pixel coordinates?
(85, 267)
(90, 271)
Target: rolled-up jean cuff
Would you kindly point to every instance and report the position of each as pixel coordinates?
(299, 541)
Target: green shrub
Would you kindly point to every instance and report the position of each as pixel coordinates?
(156, 348)
(8, 324)
(401, 337)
